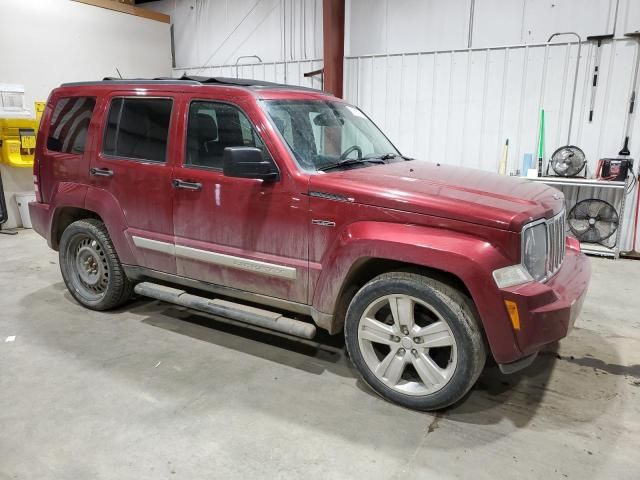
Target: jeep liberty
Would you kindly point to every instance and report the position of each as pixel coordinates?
(288, 209)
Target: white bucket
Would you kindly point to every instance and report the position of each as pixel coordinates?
(23, 199)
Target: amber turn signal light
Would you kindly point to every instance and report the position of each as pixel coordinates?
(512, 308)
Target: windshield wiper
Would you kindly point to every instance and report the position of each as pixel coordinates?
(351, 161)
(388, 156)
(379, 159)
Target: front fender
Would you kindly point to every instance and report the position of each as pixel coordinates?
(469, 258)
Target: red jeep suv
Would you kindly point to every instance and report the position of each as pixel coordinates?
(287, 208)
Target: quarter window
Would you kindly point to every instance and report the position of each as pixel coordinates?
(212, 128)
(138, 128)
(69, 124)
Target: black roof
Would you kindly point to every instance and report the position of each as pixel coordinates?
(197, 80)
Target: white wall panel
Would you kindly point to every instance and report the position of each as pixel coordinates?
(396, 26)
(541, 18)
(218, 32)
(628, 17)
(498, 22)
(384, 26)
(494, 94)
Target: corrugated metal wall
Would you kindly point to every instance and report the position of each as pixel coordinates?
(460, 106)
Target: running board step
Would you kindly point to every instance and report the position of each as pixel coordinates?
(223, 308)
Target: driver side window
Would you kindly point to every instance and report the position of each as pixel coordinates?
(214, 126)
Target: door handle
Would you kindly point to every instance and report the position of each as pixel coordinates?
(177, 183)
(101, 172)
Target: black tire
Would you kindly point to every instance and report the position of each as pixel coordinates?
(457, 311)
(89, 237)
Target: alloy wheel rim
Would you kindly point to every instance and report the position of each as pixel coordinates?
(407, 344)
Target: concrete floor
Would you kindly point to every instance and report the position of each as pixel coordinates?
(154, 391)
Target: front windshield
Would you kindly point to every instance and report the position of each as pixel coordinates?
(324, 133)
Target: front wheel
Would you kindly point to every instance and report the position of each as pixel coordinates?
(416, 341)
(90, 266)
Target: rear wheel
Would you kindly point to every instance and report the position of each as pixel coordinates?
(90, 266)
(415, 340)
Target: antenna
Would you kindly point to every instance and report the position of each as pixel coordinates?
(119, 74)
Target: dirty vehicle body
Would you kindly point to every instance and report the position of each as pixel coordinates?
(293, 210)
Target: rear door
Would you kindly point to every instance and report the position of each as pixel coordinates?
(133, 166)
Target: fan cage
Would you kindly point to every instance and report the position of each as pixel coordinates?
(594, 220)
(582, 171)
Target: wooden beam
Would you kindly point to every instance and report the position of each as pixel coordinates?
(129, 9)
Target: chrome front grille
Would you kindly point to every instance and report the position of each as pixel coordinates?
(556, 242)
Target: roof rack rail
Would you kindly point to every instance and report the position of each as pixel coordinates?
(242, 82)
(199, 80)
(135, 81)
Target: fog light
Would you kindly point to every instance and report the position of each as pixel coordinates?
(512, 308)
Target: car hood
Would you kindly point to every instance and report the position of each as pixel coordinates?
(458, 193)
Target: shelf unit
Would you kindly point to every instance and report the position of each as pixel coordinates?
(593, 248)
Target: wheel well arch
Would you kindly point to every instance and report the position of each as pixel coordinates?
(64, 217)
(366, 269)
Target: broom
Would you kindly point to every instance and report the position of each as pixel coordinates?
(541, 143)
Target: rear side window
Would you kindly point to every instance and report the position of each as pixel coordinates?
(138, 128)
(69, 124)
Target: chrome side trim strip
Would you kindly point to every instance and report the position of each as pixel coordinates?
(231, 261)
(155, 245)
(240, 263)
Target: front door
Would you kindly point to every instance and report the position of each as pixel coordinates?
(132, 166)
(241, 233)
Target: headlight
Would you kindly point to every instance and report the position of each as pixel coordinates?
(511, 275)
(534, 250)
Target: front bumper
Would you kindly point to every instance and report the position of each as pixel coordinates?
(548, 310)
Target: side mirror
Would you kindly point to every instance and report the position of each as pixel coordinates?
(248, 162)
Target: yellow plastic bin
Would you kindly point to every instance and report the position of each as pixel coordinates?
(18, 141)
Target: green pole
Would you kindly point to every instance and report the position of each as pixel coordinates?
(541, 143)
